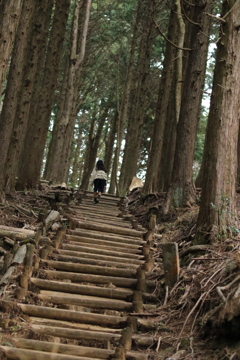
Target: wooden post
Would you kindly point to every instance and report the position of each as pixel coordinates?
(132, 322)
(126, 339)
(141, 280)
(171, 263)
(149, 264)
(134, 224)
(120, 354)
(59, 236)
(137, 301)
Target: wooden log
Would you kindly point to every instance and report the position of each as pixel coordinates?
(104, 220)
(122, 249)
(69, 315)
(101, 257)
(111, 243)
(82, 289)
(75, 333)
(98, 279)
(20, 354)
(89, 249)
(92, 261)
(101, 236)
(16, 233)
(83, 300)
(94, 279)
(109, 229)
(61, 348)
(73, 325)
(91, 269)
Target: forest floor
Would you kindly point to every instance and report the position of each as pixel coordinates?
(199, 318)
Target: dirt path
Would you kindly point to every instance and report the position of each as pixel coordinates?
(92, 291)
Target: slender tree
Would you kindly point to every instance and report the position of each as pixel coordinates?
(182, 185)
(217, 213)
(57, 168)
(14, 85)
(36, 43)
(10, 12)
(139, 98)
(164, 91)
(31, 157)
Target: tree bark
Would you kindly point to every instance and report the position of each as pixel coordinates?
(217, 214)
(35, 44)
(139, 99)
(10, 12)
(160, 121)
(15, 83)
(32, 154)
(57, 168)
(182, 186)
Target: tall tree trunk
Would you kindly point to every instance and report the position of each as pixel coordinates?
(92, 149)
(60, 150)
(109, 142)
(75, 166)
(161, 115)
(165, 166)
(182, 186)
(125, 99)
(32, 154)
(139, 99)
(217, 213)
(36, 42)
(179, 61)
(15, 84)
(10, 12)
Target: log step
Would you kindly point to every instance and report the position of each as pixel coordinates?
(101, 257)
(112, 237)
(102, 242)
(91, 269)
(62, 348)
(77, 334)
(82, 352)
(92, 261)
(109, 229)
(82, 289)
(103, 251)
(72, 325)
(20, 354)
(94, 279)
(74, 316)
(62, 298)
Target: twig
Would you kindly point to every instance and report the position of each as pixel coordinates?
(226, 287)
(166, 296)
(169, 41)
(212, 276)
(158, 344)
(185, 322)
(215, 17)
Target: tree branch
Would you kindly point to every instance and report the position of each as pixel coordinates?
(170, 42)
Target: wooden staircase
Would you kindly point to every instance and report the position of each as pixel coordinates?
(91, 289)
